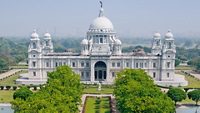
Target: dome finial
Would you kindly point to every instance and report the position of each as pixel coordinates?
(101, 10)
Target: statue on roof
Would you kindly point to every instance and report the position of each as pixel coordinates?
(101, 3)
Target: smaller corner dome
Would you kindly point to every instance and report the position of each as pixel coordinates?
(169, 34)
(156, 35)
(84, 42)
(118, 42)
(47, 35)
(101, 23)
(34, 34)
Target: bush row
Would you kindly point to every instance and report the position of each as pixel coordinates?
(18, 87)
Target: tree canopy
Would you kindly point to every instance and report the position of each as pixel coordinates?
(194, 95)
(176, 94)
(135, 92)
(22, 93)
(195, 62)
(61, 94)
(3, 64)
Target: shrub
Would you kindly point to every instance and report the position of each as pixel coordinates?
(2, 87)
(34, 87)
(176, 94)
(194, 95)
(14, 87)
(22, 93)
(8, 87)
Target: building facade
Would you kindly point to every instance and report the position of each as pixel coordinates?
(101, 56)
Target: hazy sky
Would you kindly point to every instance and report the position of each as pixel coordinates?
(72, 17)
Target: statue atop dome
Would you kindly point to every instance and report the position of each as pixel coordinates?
(101, 4)
(101, 10)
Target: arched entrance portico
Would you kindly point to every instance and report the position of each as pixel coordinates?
(100, 73)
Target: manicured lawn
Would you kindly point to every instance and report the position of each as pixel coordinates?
(184, 68)
(90, 106)
(105, 104)
(6, 96)
(11, 80)
(94, 90)
(93, 105)
(19, 67)
(192, 82)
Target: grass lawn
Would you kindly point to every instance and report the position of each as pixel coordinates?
(192, 82)
(184, 68)
(6, 96)
(94, 90)
(11, 80)
(187, 101)
(93, 105)
(19, 67)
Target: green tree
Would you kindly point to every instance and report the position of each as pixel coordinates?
(3, 64)
(61, 94)
(22, 93)
(195, 62)
(194, 95)
(176, 94)
(177, 62)
(135, 92)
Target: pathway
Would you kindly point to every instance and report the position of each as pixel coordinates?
(9, 73)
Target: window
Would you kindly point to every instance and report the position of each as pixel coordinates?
(118, 64)
(73, 64)
(82, 74)
(127, 64)
(113, 64)
(169, 45)
(145, 64)
(141, 65)
(33, 55)
(34, 45)
(154, 74)
(101, 40)
(136, 65)
(56, 64)
(34, 73)
(87, 64)
(168, 64)
(157, 42)
(34, 64)
(167, 75)
(154, 65)
(87, 74)
(64, 63)
(113, 74)
(82, 64)
(47, 64)
(60, 63)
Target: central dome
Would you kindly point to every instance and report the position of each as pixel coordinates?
(101, 23)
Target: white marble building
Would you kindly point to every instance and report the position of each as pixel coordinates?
(101, 57)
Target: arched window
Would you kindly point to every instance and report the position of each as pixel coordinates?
(34, 45)
(169, 45)
(157, 43)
